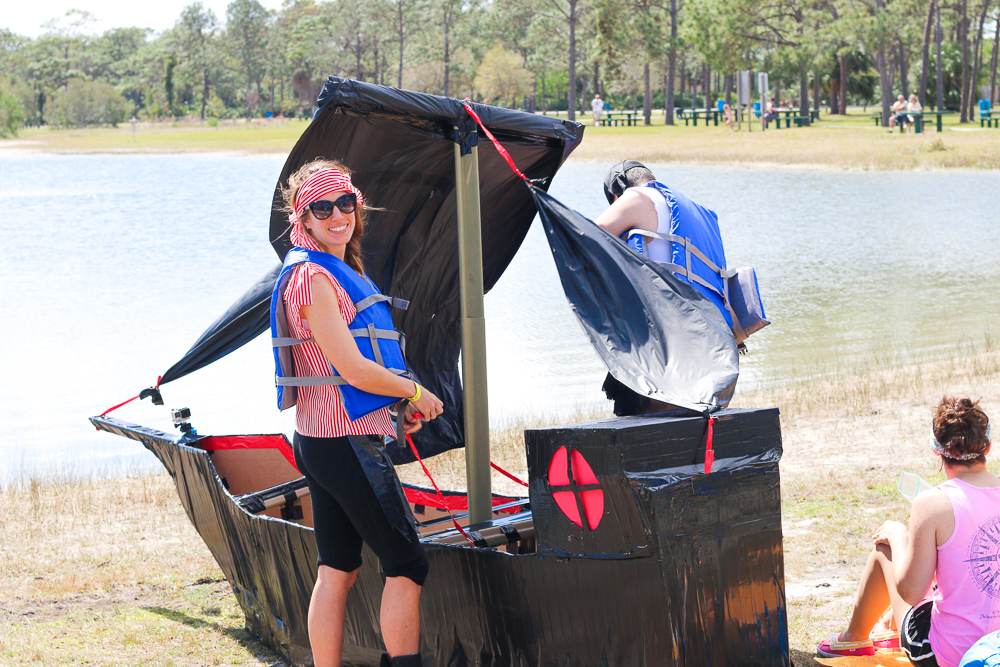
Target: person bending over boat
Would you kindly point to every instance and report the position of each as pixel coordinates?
(639, 202)
(338, 360)
(953, 537)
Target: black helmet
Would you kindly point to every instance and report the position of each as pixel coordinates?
(615, 182)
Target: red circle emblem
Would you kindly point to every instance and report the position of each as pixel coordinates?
(575, 488)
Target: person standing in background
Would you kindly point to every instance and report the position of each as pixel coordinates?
(597, 106)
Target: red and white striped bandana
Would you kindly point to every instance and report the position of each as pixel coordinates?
(317, 185)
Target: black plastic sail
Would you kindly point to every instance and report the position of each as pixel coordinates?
(655, 333)
(400, 146)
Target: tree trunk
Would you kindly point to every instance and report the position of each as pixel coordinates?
(647, 97)
(925, 63)
(803, 94)
(401, 36)
(937, 66)
(892, 58)
(447, 56)
(597, 77)
(706, 86)
(571, 113)
(816, 91)
(977, 61)
(668, 98)
(904, 70)
(993, 65)
(843, 85)
(963, 39)
(884, 82)
(204, 95)
(727, 83)
(683, 75)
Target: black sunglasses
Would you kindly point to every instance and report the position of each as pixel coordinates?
(323, 208)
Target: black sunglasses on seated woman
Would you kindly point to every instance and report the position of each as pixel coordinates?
(323, 208)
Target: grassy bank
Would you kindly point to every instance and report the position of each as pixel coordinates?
(835, 142)
(112, 572)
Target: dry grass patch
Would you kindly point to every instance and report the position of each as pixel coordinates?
(229, 136)
(824, 145)
(111, 572)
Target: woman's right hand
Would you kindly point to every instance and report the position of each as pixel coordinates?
(429, 405)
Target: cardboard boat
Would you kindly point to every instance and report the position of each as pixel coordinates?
(672, 567)
(629, 549)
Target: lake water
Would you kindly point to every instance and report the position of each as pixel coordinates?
(113, 265)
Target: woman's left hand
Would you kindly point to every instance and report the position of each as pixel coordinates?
(411, 424)
(888, 531)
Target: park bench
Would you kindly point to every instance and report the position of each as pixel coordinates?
(624, 117)
(694, 114)
(789, 118)
(986, 117)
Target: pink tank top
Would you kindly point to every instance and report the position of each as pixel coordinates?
(968, 573)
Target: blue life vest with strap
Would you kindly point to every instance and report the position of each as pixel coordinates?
(698, 258)
(372, 329)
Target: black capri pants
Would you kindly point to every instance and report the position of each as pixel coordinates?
(346, 512)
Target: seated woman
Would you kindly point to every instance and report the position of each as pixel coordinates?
(954, 536)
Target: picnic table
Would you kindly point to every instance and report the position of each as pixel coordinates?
(793, 115)
(987, 119)
(625, 117)
(918, 119)
(693, 114)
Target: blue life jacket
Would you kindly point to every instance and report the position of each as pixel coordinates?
(372, 329)
(698, 258)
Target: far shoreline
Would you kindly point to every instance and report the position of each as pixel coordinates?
(735, 165)
(835, 143)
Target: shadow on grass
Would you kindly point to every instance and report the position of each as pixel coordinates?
(238, 635)
(802, 658)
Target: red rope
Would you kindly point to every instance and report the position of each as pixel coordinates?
(709, 452)
(417, 415)
(500, 149)
(506, 474)
(131, 399)
(444, 503)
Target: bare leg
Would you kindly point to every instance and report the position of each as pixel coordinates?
(401, 616)
(877, 590)
(326, 615)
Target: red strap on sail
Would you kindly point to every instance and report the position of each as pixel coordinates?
(157, 386)
(500, 149)
(506, 474)
(709, 452)
(444, 503)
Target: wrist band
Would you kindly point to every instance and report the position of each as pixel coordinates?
(416, 396)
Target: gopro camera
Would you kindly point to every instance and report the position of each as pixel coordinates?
(180, 415)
